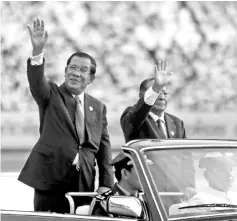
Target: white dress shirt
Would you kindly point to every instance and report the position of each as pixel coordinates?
(162, 121)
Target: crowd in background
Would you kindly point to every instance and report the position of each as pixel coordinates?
(197, 38)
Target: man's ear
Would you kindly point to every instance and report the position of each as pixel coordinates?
(92, 78)
(206, 175)
(124, 173)
(141, 93)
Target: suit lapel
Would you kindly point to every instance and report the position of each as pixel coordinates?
(171, 128)
(69, 107)
(90, 113)
(152, 125)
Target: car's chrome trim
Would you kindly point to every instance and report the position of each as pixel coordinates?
(45, 214)
(168, 145)
(131, 142)
(148, 183)
(140, 143)
(69, 196)
(182, 146)
(205, 216)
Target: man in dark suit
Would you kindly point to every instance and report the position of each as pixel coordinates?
(140, 121)
(73, 131)
(127, 185)
(147, 119)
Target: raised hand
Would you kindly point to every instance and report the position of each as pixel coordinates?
(38, 36)
(161, 75)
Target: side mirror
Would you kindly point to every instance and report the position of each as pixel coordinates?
(125, 206)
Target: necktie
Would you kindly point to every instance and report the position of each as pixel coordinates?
(160, 130)
(80, 124)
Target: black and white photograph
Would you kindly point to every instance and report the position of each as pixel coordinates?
(118, 110)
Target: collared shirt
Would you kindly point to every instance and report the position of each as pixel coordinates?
(162, 118)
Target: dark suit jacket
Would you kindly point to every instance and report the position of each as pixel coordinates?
(136, 123)
(50, 161)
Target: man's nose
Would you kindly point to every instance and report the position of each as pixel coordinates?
(76, 74)
(161, 95)
(231, 172)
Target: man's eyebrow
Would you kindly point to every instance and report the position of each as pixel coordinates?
(81, 65)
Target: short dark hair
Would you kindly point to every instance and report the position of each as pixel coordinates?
(144, 84)
(122, 165)
(84, 55)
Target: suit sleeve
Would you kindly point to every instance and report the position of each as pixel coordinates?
(133, 117)
(39, 86)
(104, 157)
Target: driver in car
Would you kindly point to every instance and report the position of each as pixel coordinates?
(127, 185)
(220, 173)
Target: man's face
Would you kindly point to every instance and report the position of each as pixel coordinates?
(222, 177)
(161, 102)
(77, 75)
(132, 179)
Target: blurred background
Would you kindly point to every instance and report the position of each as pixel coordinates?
(198, 39)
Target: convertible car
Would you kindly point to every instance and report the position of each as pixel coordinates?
(180, 179)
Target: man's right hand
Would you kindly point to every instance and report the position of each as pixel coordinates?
(161, 75)
(38, 36)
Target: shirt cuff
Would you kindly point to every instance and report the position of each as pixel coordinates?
(150, 96)
(37, 60)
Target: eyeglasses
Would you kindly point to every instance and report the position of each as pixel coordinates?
(82, 69)
(165, 93)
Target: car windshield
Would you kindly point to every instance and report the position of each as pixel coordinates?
(194, 180)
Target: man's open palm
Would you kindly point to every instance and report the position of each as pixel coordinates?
(38, 36)
(162, 76)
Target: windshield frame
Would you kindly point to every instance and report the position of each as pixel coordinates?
(138, 156)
